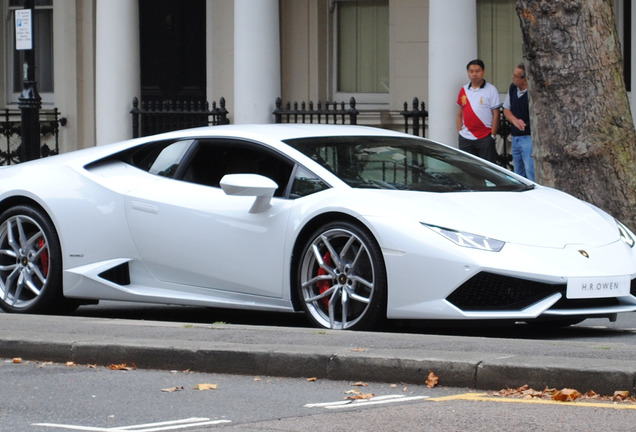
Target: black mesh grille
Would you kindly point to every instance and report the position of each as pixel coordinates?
(585, 303)
(491, 292)
(487, 291)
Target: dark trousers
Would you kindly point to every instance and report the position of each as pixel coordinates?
(484, 147)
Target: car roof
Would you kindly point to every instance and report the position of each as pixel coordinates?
(271, 134)
(283, 131)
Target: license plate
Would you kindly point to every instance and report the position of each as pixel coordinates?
(598, 287)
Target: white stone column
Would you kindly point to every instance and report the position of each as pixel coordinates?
(116, 68)
(256, 60)
(452, 44)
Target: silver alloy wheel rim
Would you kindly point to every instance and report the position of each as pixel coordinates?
(24, 261)
(337, 279)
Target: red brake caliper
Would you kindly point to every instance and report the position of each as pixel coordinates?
(324, 285)
(44, 258)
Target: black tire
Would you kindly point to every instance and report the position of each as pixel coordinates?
(30, 263)
(341, 278)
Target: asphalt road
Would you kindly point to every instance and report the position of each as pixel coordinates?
(595, 355)
(45, 397)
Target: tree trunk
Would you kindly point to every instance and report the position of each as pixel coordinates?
(582, 129)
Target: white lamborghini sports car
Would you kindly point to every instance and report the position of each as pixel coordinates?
(351, 225)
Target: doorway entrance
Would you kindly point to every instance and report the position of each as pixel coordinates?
(172, 50)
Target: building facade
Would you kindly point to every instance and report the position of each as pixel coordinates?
(94, 56)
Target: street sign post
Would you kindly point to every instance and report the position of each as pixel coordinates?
(29, 101)
(23, 29)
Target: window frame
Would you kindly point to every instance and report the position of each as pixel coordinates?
(499, 40)
(239, 147)
(185, 168)
(370, 162)
(11, 96)
(369, 100)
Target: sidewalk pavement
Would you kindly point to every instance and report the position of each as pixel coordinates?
(473, 362)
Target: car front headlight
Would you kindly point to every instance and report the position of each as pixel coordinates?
(469, 240)
(626, 234)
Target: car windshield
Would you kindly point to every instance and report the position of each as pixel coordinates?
(402, 163)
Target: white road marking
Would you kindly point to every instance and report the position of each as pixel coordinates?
(148, 427)
(376, 400)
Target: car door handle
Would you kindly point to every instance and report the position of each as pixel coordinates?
(145, 207)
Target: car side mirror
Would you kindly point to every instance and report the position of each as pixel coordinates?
(255, 185)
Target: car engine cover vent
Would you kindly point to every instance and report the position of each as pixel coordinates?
(119, 275)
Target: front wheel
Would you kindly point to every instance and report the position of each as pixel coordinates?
(342, 278)
(30, 263)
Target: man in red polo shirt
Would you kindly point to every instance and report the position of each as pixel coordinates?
(478, 113)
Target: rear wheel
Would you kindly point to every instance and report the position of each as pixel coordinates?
(342, 278)
(30, 263)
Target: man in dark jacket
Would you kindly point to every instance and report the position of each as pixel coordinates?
(518, 114)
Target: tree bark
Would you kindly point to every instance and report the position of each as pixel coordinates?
(582, 128)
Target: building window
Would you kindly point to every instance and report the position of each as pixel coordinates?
(499, 40)
(362, 50)
(43, 46)
(623, 15)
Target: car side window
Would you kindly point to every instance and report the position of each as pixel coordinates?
(169, 159)
(305, 183)
(161, 158)
(215, 158)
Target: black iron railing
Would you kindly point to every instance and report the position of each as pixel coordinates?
(415, 118)
(11, 130)
(152, 117)
(332, 112)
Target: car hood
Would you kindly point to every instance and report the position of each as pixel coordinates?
(541, 217)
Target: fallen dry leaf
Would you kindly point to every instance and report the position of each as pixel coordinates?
(620, 395)
(566, 395)
(122, 366)
(356, 394)
(360, 396)
(312, 379)
(69, 364)
(431, 380)
(359, 384)
(358, 349)
(531, 393)
(172, 389)
(205, 387)
(17, 359)
(591, 395)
